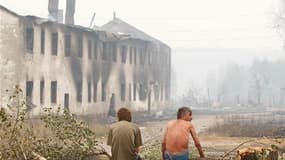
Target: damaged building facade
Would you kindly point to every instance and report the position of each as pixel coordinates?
(81, 69)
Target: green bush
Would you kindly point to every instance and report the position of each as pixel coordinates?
(17, 139)
(68, 138)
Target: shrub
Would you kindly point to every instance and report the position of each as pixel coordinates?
(68, 138)
(17, 139)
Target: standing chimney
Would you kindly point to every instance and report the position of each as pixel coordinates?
(53, 9)
(70, 10)
(114, 15)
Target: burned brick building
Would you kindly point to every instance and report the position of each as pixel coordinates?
(82, 69)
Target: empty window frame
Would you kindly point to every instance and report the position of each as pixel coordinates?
(95, 50)
(130, 92)
(114, 52)
(157, 58)
(89, 49)
(131, 55)
(89, 92)
(53, 91)
(161, 59)
(105, 52)
(123, 92)
(66, 101)
(149, 57)
(135, 55)
(80, 46)
(67, 45)
(54, 43)
(29, 40)
(29, 91)
(141, 91)
(42, 91)
(43, 41)
(103, 88)
(153, 57)
(123, 54)
(94, 91)
(142, 56)
(156, 92)
(135, 91)
(79, 92)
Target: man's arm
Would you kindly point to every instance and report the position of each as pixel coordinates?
(136, 150)
(138, 139)
(110, 137)
(196, 141)
(163, 149)
(163, 144)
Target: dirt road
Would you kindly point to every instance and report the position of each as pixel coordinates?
(214, 146)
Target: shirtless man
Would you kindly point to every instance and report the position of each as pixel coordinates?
(176, 137)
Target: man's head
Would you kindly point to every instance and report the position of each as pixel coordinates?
(124, 114)
(184, 113)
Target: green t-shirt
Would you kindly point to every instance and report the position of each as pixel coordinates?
(123, 138)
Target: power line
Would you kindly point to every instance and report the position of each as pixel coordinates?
(253, 50)
(212, 39)
(215, 30)
(185, 18)
(225, 49)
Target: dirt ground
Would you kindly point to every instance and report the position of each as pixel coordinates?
(214, 146)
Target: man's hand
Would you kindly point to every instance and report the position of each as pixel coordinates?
(163, 149)
(136, 150)
(196, 141)
(201, 152)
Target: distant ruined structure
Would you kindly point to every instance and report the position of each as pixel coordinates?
(81, 68)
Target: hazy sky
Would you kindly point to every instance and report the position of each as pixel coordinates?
(203, 34)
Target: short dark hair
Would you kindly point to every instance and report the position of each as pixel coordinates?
(183, 110)
(124, 114)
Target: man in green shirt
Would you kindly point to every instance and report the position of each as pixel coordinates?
(124, 137)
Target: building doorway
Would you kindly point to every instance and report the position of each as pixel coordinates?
(66, 101)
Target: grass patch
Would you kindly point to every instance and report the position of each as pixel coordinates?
(251, 125)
